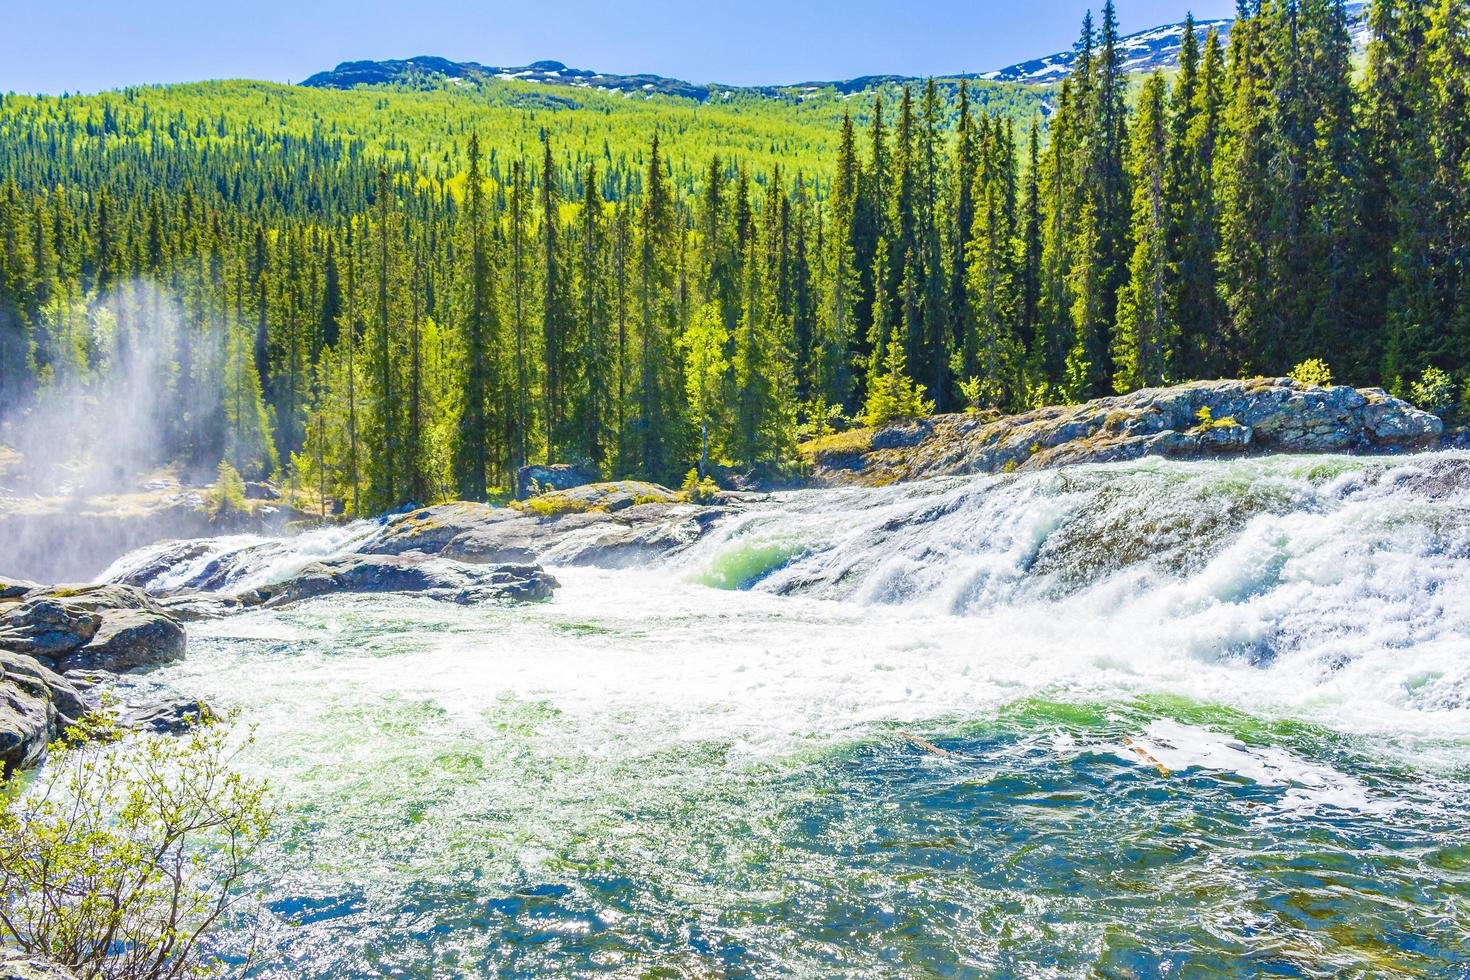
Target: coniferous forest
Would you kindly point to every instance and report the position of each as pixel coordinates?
(386, 295)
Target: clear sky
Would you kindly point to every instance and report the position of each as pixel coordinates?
(87, 45)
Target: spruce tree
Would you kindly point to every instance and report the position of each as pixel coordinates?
(1143, 343)
(555, 300)
(1194, 213)
(478, 333)
(593, 308)
(1246, 204)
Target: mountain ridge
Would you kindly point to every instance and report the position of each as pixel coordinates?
(1143, 51)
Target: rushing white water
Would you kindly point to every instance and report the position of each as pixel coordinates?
(1174, 705)
(1340, 587)
(237, 562)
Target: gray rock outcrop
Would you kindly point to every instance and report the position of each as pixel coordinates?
(435, 578)
(16, 965)
(105, 627)
(46, 633)
(1200, 420)
(36, 705)
(609, 525)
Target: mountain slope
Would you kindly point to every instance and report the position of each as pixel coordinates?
(1144, 51)
(350, 74)
(1155, 48)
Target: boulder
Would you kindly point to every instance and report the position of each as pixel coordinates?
(609, 497)
(138, 703)
(191, 607)
(46, 626)
(514, 541)
(436, 578)
(171, 716)
(71, 702)
(107, 627)
(36, 705)
(103, 598)
(532, 480)
(27, 726)
(261, 491)
(638, 535)
(429, 529)
(129, 639)
(61, 646)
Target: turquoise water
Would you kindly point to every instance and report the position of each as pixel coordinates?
(901, 736)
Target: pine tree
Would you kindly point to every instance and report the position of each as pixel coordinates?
(1084, 287)
(705, 367)
(387, 481)
(1246, 200)
(479, 330)
(657, 234)
(1143, 343)
(962, 218)
(592, 307)
(1107, 180)
(248, 445)
(554, 303)
(1194, 213)
(935, 283)
(518, 399)
(1029, 322)
(992, 353)
(1055, 330)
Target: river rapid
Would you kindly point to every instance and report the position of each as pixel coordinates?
(1143, 720)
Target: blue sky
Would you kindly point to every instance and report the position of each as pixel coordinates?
(87, 45)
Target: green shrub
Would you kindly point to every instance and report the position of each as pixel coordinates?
(121, 856)
(1207, 420)
(892, 394)
(971, 390)
(697, 490)
(228, 494)
(1434, 391)
(1312, 372)
(553, 505)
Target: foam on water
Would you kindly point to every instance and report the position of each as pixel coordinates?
(235, 562)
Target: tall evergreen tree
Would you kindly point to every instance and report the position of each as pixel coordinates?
(479, 333)
(1143, 343)
(1196, 107)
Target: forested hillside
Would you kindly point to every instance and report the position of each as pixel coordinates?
(403, 293)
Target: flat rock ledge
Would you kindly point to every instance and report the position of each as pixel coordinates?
(15, 965)
(414, 572)
(606, 525)
(1252, 416)
(55, 642)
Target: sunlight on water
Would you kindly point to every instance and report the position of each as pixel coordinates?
(906, 736)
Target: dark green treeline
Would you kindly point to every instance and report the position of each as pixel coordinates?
(387, 338)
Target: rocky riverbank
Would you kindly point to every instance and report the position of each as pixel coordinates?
(62, 647)
(1201, 420)
(69, 652)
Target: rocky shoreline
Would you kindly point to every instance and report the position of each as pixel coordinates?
(62, 649)
(68, 653)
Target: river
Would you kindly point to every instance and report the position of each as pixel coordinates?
(1150, 719)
